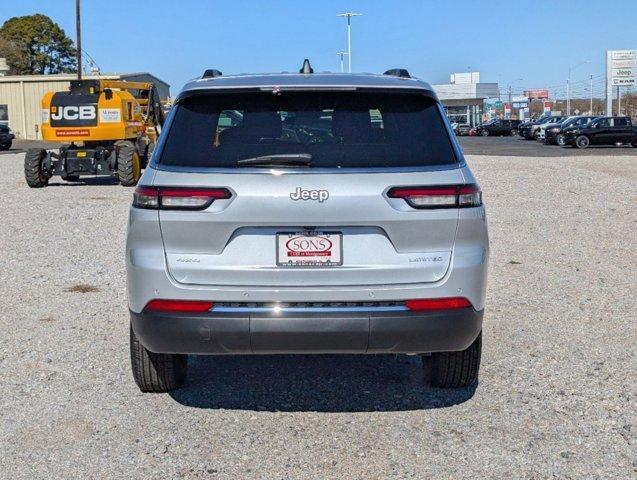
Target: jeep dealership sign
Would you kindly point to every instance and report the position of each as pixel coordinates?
(621, 71)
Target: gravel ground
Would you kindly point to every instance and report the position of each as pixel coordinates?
(556, 397)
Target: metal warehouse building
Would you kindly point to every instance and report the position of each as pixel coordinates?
(20, 97)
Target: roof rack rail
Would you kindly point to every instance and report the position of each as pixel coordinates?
(398, 72)
(306, 68)
(211, 73)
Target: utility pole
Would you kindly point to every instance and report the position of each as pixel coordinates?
(568, 86)
(349, 16)
(79, 39)
(591, 108)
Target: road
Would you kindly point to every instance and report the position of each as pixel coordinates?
(518, 147)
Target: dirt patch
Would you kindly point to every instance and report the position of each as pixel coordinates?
(82, 288)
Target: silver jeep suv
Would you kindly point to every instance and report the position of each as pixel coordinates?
(306, 213)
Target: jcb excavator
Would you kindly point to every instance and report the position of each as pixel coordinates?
(109, 127)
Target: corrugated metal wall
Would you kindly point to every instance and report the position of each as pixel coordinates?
(24, 126)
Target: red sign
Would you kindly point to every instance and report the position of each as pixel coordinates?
(73, 133)
(538, 93)
(547, 107)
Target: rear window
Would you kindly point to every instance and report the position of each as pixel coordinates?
(331, 129)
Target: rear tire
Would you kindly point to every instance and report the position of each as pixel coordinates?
(156, 372)
(457, 369)
(33, 171)
(484, 132)
(6, 145)
(513, 132)
(128, 163)
(582, 141)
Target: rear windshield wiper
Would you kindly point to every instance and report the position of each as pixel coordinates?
(278, 160)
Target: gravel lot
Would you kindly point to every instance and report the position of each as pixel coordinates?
(556, 397)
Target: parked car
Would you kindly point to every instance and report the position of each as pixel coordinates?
(463, 129)
(602, 131)
(532, 131)
(6, 137)
(498, 127)
(554, 133)
(524, 126)
(250, 241)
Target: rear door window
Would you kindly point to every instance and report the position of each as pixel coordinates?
(334, 129)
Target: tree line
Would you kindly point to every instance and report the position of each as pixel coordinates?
(35, 44)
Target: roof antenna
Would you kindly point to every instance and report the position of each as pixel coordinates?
(306, 68)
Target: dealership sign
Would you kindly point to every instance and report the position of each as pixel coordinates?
(621, 67)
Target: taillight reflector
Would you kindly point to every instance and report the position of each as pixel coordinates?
(181, 306)
(437, 303)
(452, 196)
(178, 198)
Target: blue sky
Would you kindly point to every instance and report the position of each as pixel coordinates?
(505, 40)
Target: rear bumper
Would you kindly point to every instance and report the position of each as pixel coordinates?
(341, 332)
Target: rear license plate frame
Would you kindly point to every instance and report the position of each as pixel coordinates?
(309, 234)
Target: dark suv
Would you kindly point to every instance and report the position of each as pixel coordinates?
(554, 134)
(603, 131)
(498, 127)
(6, 137)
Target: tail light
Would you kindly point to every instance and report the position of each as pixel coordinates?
(437, 303)
(179, 306)
(177, 198)
(452, 196)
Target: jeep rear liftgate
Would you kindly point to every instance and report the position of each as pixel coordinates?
(298, 188)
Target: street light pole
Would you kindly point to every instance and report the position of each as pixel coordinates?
(568, 93)
(341, 54)
(349, 16)
(591, 108)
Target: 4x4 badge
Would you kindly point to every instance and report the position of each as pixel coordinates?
(300, 194)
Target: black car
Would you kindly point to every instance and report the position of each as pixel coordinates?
(6, 137)
(525, 127)
(602, 131)
(498, 127)
(554, 134)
